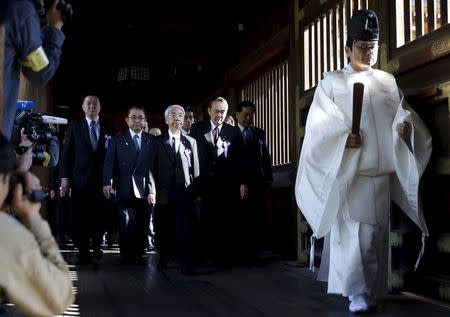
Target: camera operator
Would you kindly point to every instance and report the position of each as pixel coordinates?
(28, 153)
(34, 277)
(34, 137)
(31, 49)
(40, 151)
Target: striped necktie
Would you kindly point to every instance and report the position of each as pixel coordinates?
(136, 142)
(93, 134)
(247, 136)
(216, 135)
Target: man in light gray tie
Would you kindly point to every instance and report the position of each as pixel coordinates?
(175, 169)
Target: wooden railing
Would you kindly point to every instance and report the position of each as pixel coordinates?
(270, 94)
(324, 41)
(415, 18)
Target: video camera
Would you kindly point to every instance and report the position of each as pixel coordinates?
(39, 129)
(36, 195)
(42, 7)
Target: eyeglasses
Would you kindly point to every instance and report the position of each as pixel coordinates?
(179, 115)
(366, 47)
(136, 118)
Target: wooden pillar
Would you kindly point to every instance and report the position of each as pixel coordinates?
(2, 58)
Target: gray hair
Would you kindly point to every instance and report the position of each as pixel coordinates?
(218, 99)
(169, 109)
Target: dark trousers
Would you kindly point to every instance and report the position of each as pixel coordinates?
(111, 221)
(219, 216)
(63, 218)
(173, 227)
(133, 219)
(88, 215)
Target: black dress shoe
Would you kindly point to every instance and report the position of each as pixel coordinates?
(97, 253)
(83, 259)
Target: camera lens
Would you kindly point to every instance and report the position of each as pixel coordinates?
(36, 196)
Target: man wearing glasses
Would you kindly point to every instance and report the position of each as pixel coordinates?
(126, 175)
(346, 178)
(222, 182)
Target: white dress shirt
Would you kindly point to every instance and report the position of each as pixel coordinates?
(177, 140)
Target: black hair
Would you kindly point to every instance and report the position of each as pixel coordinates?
(246, 103)
(137, 108)
(85, 92)
(7, 156)
(190, 109)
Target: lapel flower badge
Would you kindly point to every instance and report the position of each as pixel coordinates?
(187, 153)
(107, 138)
(225, 145)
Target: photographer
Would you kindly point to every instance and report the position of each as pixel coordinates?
(30, 49)
(34, 275)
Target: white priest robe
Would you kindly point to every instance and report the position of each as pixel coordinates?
(346, 193)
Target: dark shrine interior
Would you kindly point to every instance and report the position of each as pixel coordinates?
(154, 54)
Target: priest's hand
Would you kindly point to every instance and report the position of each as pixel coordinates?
(404, 130)
(354, 141)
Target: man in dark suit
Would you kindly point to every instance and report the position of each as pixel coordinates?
(126, 174)
(81, 162)
(255, 217)
(175, 169)
(222, 180)
(189, 120)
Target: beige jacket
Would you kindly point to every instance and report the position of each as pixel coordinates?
(33, 274)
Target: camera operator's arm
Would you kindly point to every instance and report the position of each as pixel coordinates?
(40, 48)
(39, 279)
(24, 159)
(53, 151)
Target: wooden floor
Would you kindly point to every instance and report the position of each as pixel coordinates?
(280, 288)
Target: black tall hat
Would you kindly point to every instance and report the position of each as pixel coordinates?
(363, 26)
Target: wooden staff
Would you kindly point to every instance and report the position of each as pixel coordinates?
(358, 93)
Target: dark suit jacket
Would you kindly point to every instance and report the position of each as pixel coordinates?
(227, 167)
(165, 167)
(128, 167)
(79, 162)
(258, 157)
